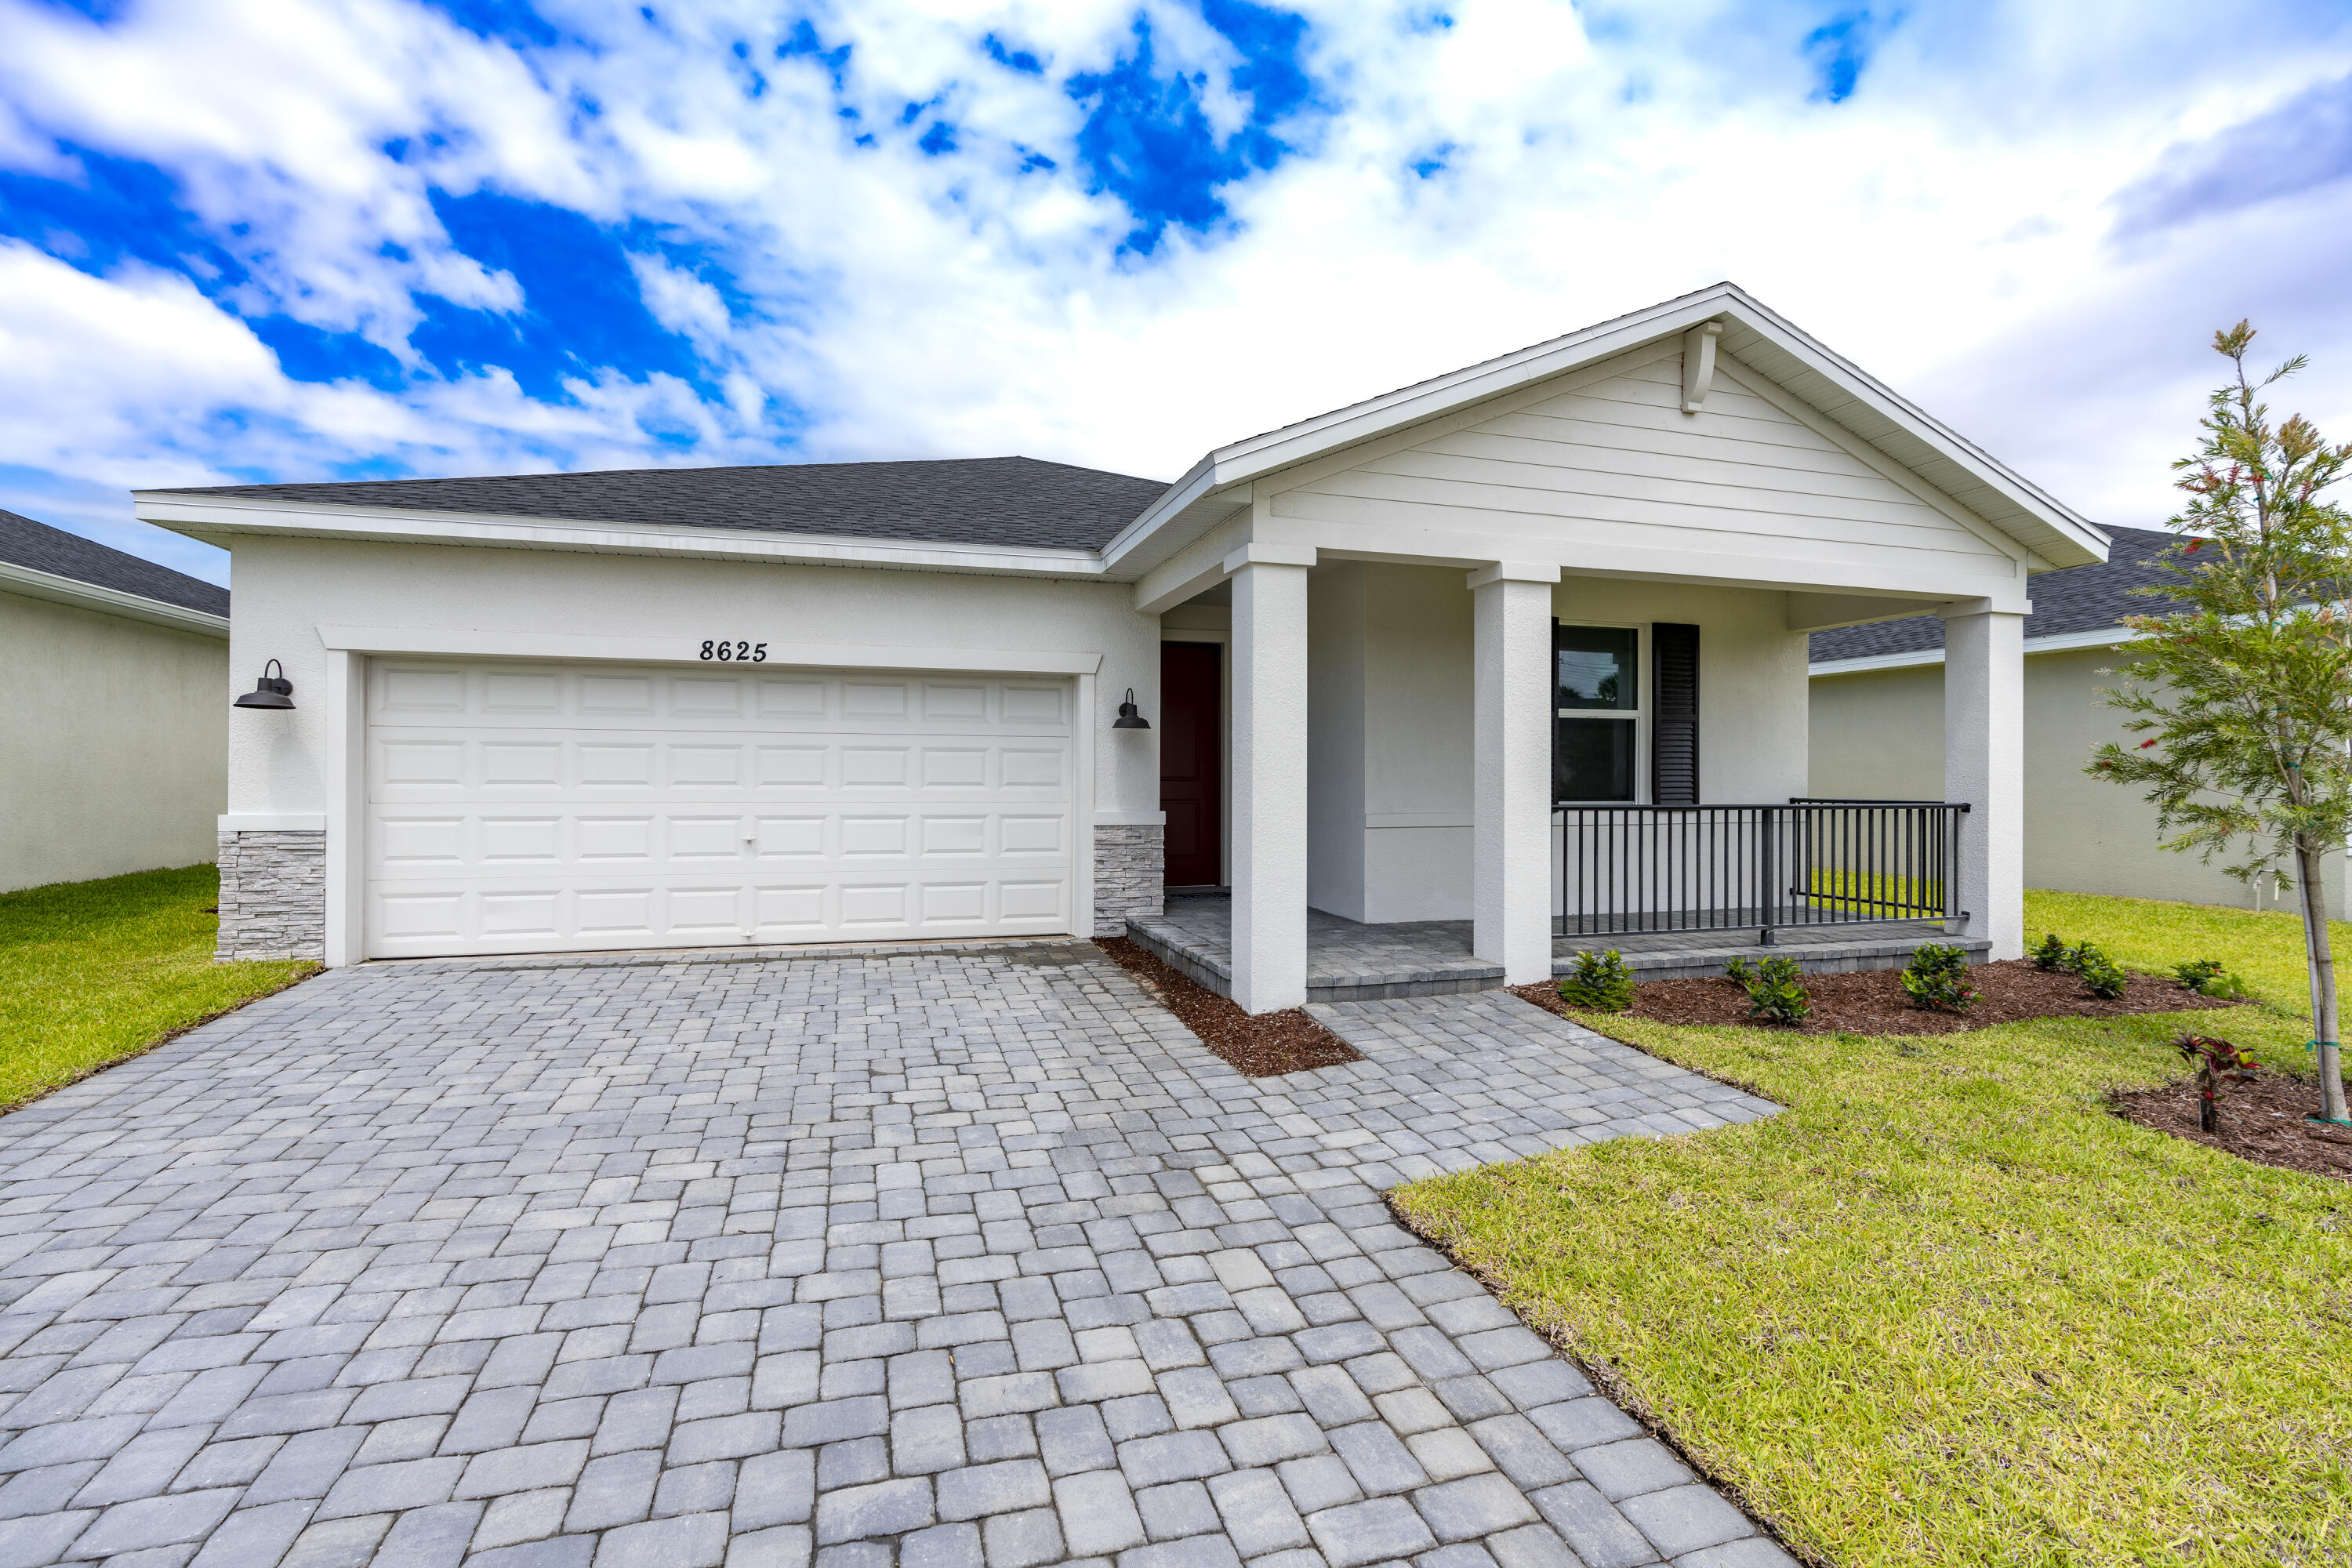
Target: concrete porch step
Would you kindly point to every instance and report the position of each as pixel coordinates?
(1349, 962)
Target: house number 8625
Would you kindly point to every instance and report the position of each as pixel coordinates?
(748, 652)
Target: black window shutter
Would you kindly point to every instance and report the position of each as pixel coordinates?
(1673, 714)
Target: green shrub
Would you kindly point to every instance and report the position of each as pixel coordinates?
(2208, 978)
(2197, 973)
(2101, 978)
(1938, 977)
(1776, 991)
(2049, 952)
(1599, 984)
(2085, 956)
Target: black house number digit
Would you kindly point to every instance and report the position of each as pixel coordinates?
(735, 652)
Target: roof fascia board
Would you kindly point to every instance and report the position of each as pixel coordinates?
(34, 583)
(1915, 422)
(202, 519)
(2056, 642)
(1198, 482)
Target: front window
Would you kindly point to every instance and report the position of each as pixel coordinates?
(1594, 746)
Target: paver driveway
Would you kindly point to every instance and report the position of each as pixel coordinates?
(944, 1259)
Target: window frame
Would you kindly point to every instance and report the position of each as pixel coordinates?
(1637, 716)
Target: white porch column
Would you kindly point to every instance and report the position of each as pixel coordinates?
(1984, 764)
(1269, 776)
(1511, 769)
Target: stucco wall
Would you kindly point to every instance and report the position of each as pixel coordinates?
(1389, 750)
(115, 756)
(1336, 675)
(1752, 701)
(287, 588)
(1880, 734)
(1389, 734)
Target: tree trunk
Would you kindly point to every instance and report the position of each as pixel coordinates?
(2320, 955)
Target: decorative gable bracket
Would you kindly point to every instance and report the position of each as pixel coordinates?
(1698, 363)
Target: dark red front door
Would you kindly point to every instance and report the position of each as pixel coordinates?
(1192, 762)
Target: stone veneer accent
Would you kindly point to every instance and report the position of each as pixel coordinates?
(273, 896)
(1130, 863)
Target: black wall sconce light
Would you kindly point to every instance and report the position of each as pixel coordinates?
(1129, 718)
(270, 690)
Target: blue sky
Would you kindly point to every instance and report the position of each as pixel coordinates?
(245, 242)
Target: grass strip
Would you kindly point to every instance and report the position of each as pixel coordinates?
(91, 973)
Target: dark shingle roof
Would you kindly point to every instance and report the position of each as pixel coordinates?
(1017, 502)
(2078, 599)
(24, 543)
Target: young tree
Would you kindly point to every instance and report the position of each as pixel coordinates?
(2245, 692)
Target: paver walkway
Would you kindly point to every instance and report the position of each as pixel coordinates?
(929, 1261)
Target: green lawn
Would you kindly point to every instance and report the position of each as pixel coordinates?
(1947, 1310)
(2265, 949)
(94, 972)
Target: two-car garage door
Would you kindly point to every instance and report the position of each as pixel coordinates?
(529, 808)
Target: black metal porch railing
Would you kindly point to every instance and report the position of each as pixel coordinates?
(1812, 862)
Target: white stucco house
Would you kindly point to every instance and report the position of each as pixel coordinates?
(112, 674)
(1522, 647)
(1877, 728)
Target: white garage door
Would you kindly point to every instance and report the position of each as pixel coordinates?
(531, 808)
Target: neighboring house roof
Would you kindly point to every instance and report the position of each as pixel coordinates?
(2079, 602)
(50, 563)
(1016, 502)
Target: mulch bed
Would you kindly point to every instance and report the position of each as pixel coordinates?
(2262, 1121)
(1872, 1001)
(1261, 1045)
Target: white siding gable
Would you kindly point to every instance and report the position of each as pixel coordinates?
(1612, 463)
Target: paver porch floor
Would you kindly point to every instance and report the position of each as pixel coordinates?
(927, 1259)
(1347, 959)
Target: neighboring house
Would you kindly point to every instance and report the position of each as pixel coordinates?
(1878, 732)
(113, 674)
(881, 701)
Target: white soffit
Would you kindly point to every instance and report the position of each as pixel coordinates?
(1765, 343)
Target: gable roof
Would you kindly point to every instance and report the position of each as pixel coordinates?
(1752, 335)
(2079, 599)
(1022, 514)
(57, 553)
(1015, 501)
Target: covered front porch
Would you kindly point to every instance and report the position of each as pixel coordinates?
(1513, 664)
(1445, 780)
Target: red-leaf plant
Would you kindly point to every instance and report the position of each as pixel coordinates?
(2215, 1061)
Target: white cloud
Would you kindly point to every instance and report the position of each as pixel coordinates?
(1948, 226)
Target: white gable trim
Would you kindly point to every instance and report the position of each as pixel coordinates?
(1661, 325)
(34, 583)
